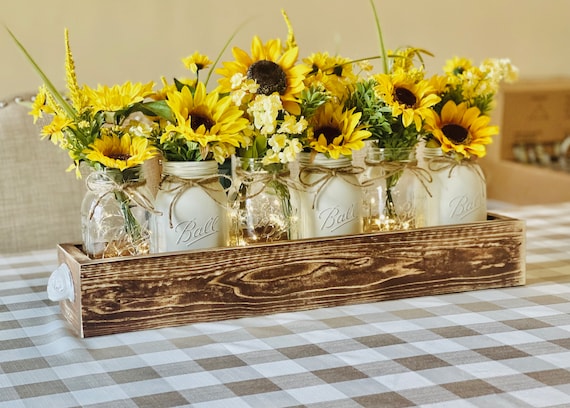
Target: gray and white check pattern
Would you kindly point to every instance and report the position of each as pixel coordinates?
(491, 348)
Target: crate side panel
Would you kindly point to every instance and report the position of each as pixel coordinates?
(181, 288)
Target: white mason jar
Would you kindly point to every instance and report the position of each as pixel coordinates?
(193, 208)
(457, 191)
(331, 196)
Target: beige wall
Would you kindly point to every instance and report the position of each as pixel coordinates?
(140, 40)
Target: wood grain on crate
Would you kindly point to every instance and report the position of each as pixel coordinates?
(170, 289)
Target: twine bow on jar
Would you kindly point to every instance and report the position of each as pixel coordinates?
(262, 178)
(327, 174)
(437, 164)
(394, 167)
(180, 185)
(103, 184)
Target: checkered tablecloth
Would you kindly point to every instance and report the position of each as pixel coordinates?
(489, 348)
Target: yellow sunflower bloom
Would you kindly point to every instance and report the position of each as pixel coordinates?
(117, 97)
(333, 73)
(196, 62)
(273, 69)
(457, 66)
(120, 152)
(462, 129)
(205, 118)
(407, 97)
(39, 104)
(55, 129)
(336, 132)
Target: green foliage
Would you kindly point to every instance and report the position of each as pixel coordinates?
(375, 114)
(181, 149)
(311, 99)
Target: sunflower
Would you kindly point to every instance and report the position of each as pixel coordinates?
(461, 129)
(196, 62)
(457, 66)
(406, 96)
(117, 97)
(206, 119)
(333, 73)
(335, 131)
(273, 69)
(119, 152)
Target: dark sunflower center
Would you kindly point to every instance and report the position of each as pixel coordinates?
(458, 70)
(197, 120)
(455, 133)
(329, 132)
(337, 70)
(269, 76)
(405, 96)
(119, 156)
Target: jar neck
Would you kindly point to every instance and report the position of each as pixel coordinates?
(380, 154)
(256, 165)
(190, 169)
(129, 175)
(321, 160)
(432, 152)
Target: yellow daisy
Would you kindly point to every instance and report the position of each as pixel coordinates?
(407, 97)
(336, 132)
(204, 118)
(120, 152)
(273, 69)
(196, 62)
(117, 97)
(461, 129)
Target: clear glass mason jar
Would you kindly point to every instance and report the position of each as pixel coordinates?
(389, 194)
(191, 207)
(263, 207)
(457, 191)
(330, 196)
(116, 213)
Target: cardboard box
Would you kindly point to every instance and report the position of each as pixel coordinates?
(525, 164)
(161, 290)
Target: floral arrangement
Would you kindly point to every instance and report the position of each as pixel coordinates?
(460, 121)
(267, 85)
(293, 105)
(271, 104)
(194, 124)
(95, 126)
(335, 128)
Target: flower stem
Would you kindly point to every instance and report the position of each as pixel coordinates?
(132, 227)
(380, 38)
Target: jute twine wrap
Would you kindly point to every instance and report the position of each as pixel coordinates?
(263, 178)
(393, 167)
(103, 184)
(179, 185)
(447, 163)
(326, 174)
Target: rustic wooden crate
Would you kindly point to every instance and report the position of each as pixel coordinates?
(161, 290)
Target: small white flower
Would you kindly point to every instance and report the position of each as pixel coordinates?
(237, 97)
(270, 158)
(264, 109)
(291, 126)
(289, 154)
(236, 80)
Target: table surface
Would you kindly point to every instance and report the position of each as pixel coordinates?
(491, 348)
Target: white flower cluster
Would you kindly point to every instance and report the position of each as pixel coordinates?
(269, 119)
